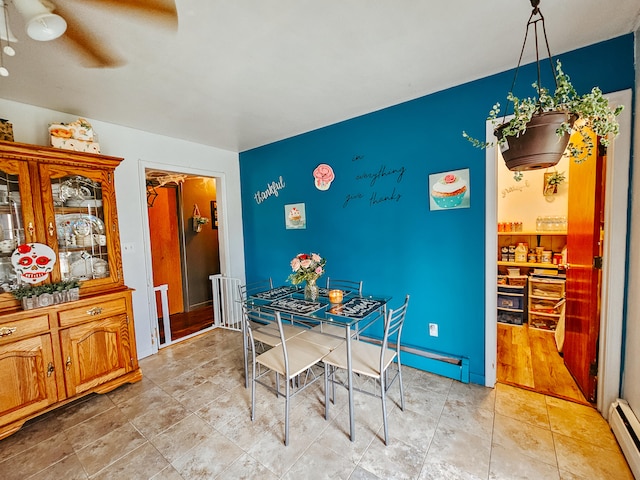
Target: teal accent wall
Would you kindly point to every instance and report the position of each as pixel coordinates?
(374, 223)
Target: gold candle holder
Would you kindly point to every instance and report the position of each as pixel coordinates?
(335, 296)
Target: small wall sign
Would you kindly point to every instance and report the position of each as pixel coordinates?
(295, 216)
(449, 190)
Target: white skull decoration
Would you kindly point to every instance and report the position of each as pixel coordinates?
(33, 261)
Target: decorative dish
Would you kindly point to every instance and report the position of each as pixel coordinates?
(76, 188)
(89, 267)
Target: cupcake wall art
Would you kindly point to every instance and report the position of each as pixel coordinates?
(449, 190)
(294, 216)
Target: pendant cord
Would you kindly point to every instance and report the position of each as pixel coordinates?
(531, 21)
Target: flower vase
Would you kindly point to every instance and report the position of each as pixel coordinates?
(311, 290)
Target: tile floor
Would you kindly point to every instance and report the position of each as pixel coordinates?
(189, 419)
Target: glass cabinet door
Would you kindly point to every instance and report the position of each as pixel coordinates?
(16, 217)
(77, 216)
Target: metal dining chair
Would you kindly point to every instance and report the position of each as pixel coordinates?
(291, 361)
(265, 332)
(346, 286)
(258, 286)
(371, 360)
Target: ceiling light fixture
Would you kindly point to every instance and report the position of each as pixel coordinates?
(7, 36)
(41, 23)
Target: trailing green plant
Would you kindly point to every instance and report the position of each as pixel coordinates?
(590, 111)
(556, 178)
(25, 291)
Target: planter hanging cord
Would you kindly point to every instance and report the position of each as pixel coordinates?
(535, 11)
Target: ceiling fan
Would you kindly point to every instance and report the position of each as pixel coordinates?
(47, 20)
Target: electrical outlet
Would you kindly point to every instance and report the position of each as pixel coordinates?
(433, 329)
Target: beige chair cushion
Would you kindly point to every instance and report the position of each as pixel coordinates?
(336, 330)
(327, 340)
(365, 358)
(302, 355)
(269, 334)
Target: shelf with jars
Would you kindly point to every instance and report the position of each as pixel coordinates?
(538, 250)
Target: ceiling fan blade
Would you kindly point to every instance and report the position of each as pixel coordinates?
(94, 51)
(163, 11)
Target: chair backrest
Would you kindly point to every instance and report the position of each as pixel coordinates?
(393, 322)
(262, 317)
(345, 285)
(254, 287)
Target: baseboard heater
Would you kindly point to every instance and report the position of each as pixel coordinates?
(626, 428)
(460, 364)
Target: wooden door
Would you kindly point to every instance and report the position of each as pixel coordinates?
(165, 247)
(95, 353)
(28, 378)
(584, 247)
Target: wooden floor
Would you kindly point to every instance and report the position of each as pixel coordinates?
(186, 323)
(528, 358)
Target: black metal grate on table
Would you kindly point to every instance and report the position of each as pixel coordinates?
(275, 293)
(356, 308)
(295, 306)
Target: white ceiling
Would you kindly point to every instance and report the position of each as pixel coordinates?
(237, 74)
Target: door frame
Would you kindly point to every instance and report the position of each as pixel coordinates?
(614, 258)
(223, 240)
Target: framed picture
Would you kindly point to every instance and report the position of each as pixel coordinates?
(449, 190)
(295, 216)
(214, 214)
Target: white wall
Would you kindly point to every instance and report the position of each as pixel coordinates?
(140, 148)
(631, 371)
(523, 200)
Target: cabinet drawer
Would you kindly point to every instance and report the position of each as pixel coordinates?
(28, 327)
(510, 301)
(511, 317)
(543, 305)
(543, 322)
(554, 289)
(92, 311)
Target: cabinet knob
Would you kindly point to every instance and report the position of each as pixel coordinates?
(68, 363)
(50, 369)
(6, 331)
(31, 229)
(52, 229)
(94, 311)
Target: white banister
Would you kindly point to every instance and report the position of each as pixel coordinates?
(227, 310)
(166, 323)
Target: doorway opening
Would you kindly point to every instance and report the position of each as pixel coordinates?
(616, 201)
(183, 233)
(532, 282)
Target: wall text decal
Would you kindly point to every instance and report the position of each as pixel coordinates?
(375, 199)
(376, 178)
(515, 188)
(382, 172)
(272, 189)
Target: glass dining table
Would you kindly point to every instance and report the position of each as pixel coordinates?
(355, 313)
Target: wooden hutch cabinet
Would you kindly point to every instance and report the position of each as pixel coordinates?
(52, 355)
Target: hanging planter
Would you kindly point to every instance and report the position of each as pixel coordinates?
(198, 220)
(539, 146)
(539, 133)
(552, 181)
